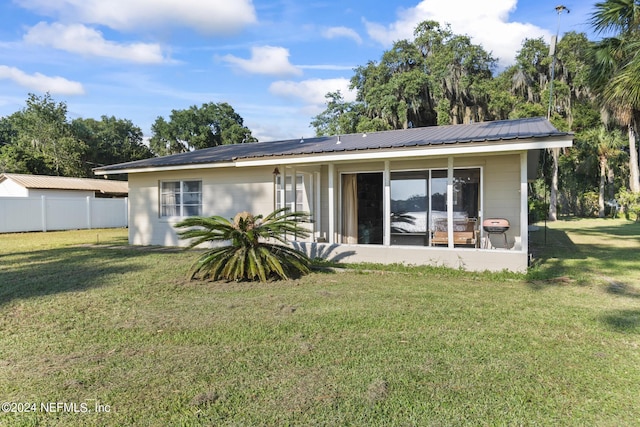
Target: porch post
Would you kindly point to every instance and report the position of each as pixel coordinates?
(283, 186)
(332, 204)
(386, 203)
(450, 202)
(317, 211)
(294, 189)
(524, 205)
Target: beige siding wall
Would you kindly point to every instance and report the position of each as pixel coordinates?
(463, 258)
(502, 193)
(225, 192)
(231, 190)
(501, 186)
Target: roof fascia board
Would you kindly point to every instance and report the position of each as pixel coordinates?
(421, 152)
(427, 151)
(166, 168)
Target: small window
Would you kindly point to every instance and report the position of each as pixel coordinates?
(298, 205)
(180, 198)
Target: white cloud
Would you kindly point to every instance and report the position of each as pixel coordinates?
(328, 67)
(210, 16)
(77, 38)
(312, 92)
(487, 25)
(339, 32)
(40, 82)
(270, 60)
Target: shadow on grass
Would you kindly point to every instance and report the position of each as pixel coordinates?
(623, 320)
(622, 290)
(46, 272)
(323, 251)
(630, 230)
(554, 255)
(558, 256)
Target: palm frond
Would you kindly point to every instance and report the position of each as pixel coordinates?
(249, 253)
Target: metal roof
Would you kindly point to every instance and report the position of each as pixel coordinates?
(482, 132)
(65, 183)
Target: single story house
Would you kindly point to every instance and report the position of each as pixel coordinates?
(416, 196)
(19, 185)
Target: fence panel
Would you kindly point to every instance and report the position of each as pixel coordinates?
(65, 213)
(109, 213)
(19, 214)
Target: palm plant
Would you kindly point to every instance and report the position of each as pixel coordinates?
(605, 145)
(254, 247)
(615, 73)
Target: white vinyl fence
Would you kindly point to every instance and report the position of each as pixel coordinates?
(61, 213)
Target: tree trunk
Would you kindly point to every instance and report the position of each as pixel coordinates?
(603, 174)
(611, 181)
(553, 193)
(634, 180)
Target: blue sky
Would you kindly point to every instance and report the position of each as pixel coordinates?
(272, 60)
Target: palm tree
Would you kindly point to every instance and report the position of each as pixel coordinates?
(616, 72)
(255, 246)
(606, 145)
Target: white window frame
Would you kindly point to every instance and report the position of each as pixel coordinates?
(300, 202)
(181, 205)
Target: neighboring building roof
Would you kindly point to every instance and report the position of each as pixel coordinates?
(483, 132)
(64, 183)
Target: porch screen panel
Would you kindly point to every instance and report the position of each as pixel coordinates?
(438, 196)
(465, 207)
(294, 204)
(409, 208)
(350, 209)
(466, 191)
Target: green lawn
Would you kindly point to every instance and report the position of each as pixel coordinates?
(84, 325)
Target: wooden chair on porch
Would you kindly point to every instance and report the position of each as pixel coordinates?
(465, 232)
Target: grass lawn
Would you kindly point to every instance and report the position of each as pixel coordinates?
(102, 335)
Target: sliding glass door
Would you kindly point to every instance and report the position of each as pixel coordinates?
(409, 208)
(362, 208)
(418, 205)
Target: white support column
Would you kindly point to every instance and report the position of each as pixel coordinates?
(332, 203)
(386, 203)
(450, 201)
(317, 211)
(275, 189)
(126, 211)
(294, 189)
(524, 205)
(283, 186)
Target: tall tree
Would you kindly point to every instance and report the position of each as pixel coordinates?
(109, 141)
(615, 73)
(459, 71)
(604, 144)
(340, 116)
(198, 127)
(439, 78)
(41, 140)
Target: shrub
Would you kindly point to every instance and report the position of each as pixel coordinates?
(589, 204)
(630, 203)
(254, 248)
